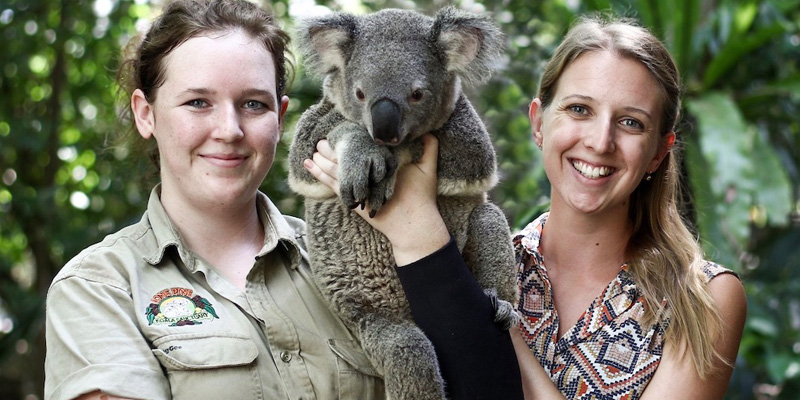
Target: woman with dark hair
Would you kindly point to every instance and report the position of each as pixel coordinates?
(209, 296)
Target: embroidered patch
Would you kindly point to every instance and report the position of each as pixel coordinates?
(177, 307)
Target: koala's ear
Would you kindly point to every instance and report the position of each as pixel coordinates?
(325, 41)
(471, 44)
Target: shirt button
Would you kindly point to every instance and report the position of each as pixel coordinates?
(286, 356)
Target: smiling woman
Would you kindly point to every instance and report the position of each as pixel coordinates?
(601, 134)
(218, 123)
(616, 298)
(209, 296)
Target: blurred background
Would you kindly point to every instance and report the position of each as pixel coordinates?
(64, 185)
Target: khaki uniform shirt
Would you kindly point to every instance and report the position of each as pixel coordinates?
(139, 315)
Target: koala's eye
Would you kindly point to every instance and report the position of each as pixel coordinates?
(360, 94)
(416, 95)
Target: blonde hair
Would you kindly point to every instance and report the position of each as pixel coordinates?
(665, 259)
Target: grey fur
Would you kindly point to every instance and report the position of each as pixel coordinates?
(387, 59)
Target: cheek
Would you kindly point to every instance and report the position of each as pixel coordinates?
(267, 135)
(179, 131)
(642, 153)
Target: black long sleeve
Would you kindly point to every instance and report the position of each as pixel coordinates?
(476, 357)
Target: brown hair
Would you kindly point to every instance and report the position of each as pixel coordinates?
(143, 65)
(665, 259)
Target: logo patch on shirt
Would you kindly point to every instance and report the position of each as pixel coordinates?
(177, 307)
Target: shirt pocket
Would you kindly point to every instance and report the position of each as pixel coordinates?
(207, 366)
(358, 379)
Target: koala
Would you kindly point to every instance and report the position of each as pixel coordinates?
(388, 78)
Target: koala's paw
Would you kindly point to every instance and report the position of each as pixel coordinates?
(366, 178)
(505, 315)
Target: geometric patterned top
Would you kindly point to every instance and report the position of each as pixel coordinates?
(608, 354)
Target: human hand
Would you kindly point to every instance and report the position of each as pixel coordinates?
(410, 219)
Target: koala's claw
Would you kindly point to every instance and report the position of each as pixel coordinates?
(367, 178)
(505, 316)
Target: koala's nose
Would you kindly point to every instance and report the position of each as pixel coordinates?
(386, 122)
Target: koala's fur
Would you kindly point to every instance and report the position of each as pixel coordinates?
(390, 77)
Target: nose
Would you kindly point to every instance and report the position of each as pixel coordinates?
(601, 138)
(229, 127)
(386, 122)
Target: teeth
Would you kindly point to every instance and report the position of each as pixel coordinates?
(591, 172)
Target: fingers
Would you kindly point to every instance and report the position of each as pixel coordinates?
(323, 166)
(314, 169)
(430, 155)
(324, 148)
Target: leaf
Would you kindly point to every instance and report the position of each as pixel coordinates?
(715, 243)
(777, 366)
(735, 48)
(725, 142)
(774, 191)
(762, 325)
(789, 85)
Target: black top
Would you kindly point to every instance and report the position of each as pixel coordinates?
(476, 357)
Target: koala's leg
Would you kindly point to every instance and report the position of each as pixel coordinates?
(404, 356)
(366, 169)
(490, 256)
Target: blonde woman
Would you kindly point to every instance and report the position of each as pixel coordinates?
(617, 300)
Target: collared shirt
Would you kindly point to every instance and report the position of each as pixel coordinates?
(140, 315)
(608, 353)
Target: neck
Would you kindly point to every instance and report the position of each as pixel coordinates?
(213, 230)
(574, 240)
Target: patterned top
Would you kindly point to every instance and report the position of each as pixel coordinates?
(608, 354)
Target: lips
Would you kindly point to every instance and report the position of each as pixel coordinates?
(592, 172)
(225, 159)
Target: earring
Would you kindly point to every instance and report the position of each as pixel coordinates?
(648, 176)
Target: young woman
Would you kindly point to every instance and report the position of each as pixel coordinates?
(616, 300)
(208, 296)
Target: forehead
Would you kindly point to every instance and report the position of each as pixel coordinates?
(221, 58)
(611, 78)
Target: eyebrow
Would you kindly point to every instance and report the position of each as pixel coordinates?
(629, 108)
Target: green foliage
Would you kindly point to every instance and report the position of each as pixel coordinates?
(64, 183)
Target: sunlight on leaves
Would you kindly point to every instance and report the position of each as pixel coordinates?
(744, 16)
(79, 200)
(38, 65)
(5, 128)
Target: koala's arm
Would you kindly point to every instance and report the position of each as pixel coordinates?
(314, 125)
(467, 163)
(366, 169)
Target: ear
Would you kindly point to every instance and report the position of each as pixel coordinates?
(282, 112)
(143, 114)
(663, 149)
(324, 41)
(472, 44)
(535, 114)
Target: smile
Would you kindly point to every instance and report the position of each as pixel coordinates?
(224, 160)
(590, 171)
